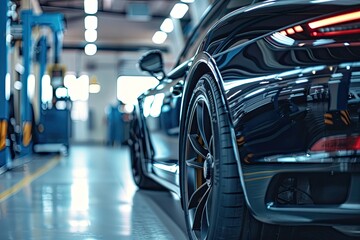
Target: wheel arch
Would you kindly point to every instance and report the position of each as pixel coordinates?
(203, 64)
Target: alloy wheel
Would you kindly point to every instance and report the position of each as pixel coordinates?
(200, 167)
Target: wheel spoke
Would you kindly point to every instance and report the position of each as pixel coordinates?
(204, 223)
(199, 211)
(211, 144)
(200, 115)
(196, 146)
(197, 195)
(194, 163)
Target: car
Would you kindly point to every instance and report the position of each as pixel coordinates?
(257, 125)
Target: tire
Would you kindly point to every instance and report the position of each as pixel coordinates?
(211, 192)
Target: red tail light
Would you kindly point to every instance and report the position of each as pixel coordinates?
(336, 143)
(346, 23)
(342, 18)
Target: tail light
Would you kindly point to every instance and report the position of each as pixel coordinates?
(345, 23)
(340, 24)
(336, 143)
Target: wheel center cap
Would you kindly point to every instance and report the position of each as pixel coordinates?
(208, 166)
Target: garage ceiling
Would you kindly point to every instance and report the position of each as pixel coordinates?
(123, 25)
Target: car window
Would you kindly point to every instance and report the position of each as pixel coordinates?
(219, 9)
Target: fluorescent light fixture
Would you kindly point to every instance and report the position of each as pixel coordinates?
(9, 38)
(91, 22)
(47, 90)
(90, 6)
(90, 49)
(94, 86)
(79, 89)
(60, 105)
(159, 37)
(167, 25)
(18, 85)
(179, 10)
(188, 1)
(31, 86)
(61, 92)
(69, 79)
(90, 35)
(7, 86)
(19, 68)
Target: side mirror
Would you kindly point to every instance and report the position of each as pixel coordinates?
(152, 63)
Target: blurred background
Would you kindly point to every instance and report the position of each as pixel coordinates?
(101, 44)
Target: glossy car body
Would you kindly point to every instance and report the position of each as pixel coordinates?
(288, 73)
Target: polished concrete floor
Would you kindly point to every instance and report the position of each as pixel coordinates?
(87, 195)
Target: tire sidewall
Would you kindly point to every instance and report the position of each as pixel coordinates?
(206, 91)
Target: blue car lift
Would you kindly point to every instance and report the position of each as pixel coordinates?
(55, 23)
(4, 30)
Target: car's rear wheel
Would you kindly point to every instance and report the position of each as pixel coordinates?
(135, 163)
(211, 193)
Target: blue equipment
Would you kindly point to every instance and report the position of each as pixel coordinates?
(55, 23)
(4, 29)
(117, 125)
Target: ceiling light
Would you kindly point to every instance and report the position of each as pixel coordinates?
(19, 68)
(31, 86)
(90, 49)
(61, 92)
(90, 35)
(79, 89)
(46, 89)
(167, 25)
(7, 86)
(91, 22)
(179, 10)
(159, 37)
(188, 1)
(17, 85)
(90, 6)
(94, 86)
(69, 79)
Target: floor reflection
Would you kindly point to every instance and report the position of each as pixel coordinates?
(89, 195)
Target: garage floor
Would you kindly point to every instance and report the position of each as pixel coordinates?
(88, 195)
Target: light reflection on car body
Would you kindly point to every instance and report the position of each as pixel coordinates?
(288, 78)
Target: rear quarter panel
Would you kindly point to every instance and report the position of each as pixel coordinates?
(278, 94)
